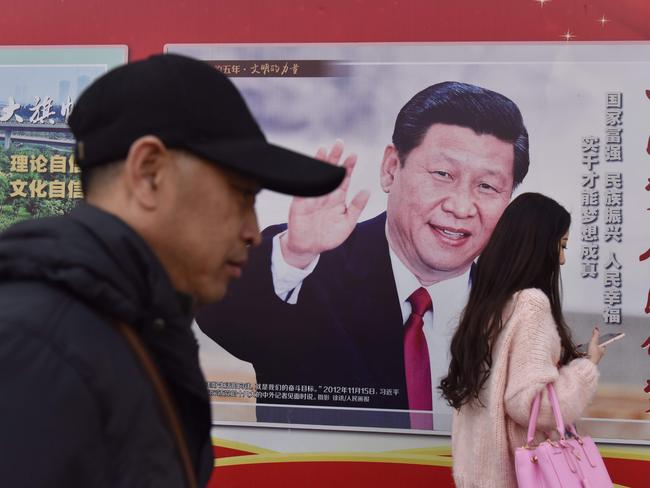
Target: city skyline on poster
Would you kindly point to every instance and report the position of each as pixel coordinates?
(38, 88)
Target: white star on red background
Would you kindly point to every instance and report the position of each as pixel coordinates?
(603, 20)
(542, 2)
(568, 35)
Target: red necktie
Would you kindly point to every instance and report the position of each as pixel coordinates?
(416, 361)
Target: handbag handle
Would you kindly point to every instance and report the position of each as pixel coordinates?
(532, 419)
(164, 399)
(534, 413)
(555, 406)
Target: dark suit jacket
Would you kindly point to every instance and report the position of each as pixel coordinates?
(345, 331)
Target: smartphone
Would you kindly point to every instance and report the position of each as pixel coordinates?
(604, 340)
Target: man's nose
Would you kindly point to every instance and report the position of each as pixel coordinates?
(251, 230)
(461, 202)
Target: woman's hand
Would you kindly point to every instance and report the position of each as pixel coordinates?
(595, 352)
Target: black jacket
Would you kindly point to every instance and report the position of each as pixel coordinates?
(75, 407)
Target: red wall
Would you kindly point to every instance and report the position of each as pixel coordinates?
(146, 25)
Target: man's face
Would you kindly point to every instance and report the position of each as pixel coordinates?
(210, 222)
(446, 199)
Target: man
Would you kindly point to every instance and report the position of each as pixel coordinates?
(333, 313)
(171, 161)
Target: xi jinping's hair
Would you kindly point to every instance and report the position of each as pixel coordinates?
(450, 102)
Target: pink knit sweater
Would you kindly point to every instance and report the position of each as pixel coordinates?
(525, 358)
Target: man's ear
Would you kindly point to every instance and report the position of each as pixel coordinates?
(146, 166)
(389, 167)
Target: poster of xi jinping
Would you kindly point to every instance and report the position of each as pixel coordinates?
(437, 140)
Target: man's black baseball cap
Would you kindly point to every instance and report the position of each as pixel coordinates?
(189, 105)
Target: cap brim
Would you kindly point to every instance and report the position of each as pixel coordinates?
(273, 167)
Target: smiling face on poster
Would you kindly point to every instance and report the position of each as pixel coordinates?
(445, 198)
(324, 344)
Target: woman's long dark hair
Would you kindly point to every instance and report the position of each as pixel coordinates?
(523, 252)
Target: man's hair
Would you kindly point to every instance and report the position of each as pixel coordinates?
(97, 176)
(450, 102)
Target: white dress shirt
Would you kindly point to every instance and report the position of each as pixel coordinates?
(448, 298)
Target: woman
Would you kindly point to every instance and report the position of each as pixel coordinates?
(511, 341)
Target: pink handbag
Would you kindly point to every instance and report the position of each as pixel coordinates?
(566, 463)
